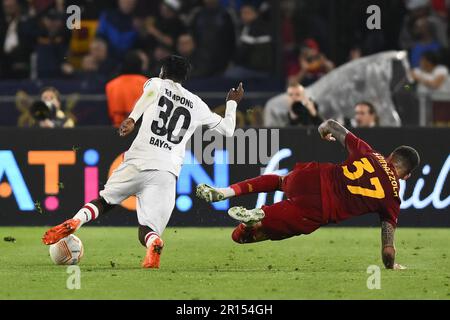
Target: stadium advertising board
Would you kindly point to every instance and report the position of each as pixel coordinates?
(46, 175)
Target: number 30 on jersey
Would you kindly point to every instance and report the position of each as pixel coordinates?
(167, 121)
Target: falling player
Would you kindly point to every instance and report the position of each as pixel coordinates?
(322, 193)
(170, 115)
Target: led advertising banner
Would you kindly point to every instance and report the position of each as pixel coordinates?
(47, 175)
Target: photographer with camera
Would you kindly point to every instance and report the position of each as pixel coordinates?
(302, 110)
(291, 108)
(47, 111)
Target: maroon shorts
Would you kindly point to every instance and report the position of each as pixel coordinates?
(301, 212)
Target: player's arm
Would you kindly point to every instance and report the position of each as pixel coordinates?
(387, 244)
(332, 130)
(227, 124)
(388, 247)
(147, 98)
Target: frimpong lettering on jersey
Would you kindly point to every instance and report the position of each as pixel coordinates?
(182, 100)
(382, 161)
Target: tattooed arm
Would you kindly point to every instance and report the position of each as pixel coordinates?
(331, 130)
(388, 248)
(387, 244)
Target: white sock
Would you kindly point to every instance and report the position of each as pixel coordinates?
(150, 237)
(227, 192)
(87, 213)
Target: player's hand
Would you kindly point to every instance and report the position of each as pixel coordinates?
(329, 137)
(398, 267)
(126, 127)
(325, 134)
(236, 94)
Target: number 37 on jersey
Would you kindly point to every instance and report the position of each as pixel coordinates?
(363, 167)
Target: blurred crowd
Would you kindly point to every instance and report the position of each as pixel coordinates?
(231, 38)
(217, 37)
(300, 41)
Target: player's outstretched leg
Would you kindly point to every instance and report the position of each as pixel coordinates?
(88, 212)
(264, 183)
(154, 244)
(211, 194)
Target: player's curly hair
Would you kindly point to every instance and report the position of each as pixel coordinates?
(175, 68)
(408, 156)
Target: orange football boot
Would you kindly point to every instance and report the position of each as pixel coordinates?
(62, 230)
(153, 256)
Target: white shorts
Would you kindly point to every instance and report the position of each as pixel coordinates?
(154, 190)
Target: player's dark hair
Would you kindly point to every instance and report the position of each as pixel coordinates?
(407, 156)
(175, 68)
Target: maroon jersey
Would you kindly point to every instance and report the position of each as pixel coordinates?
(364, 183)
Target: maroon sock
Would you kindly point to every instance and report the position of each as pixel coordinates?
(264, 183)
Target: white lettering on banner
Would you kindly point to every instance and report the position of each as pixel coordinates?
(434, 198)
(272, 167)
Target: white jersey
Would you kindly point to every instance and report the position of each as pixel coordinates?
(171, 114)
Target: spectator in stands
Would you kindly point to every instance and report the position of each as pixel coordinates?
(431, 76)
(16, 40)
(302, 110)
(312, 64)
(117, 28)
(422, 10)
(293, 108)
(89, 74)
(276, 111)
(91, 9)
(365, 115)
(145, 60)
(161, 51)
(55, 117)
(253, 57)
(89, 65)
(425, 41)
(355, 53)
(165, 28)
(98, 50)
(52, 46)
(122, 92)
(213, 31)
(187, 49)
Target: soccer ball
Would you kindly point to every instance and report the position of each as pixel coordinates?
(68, 250)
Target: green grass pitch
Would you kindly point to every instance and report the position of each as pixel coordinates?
(203, 263)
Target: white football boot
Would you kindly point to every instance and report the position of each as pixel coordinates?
(248, 217)
(208, 193)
